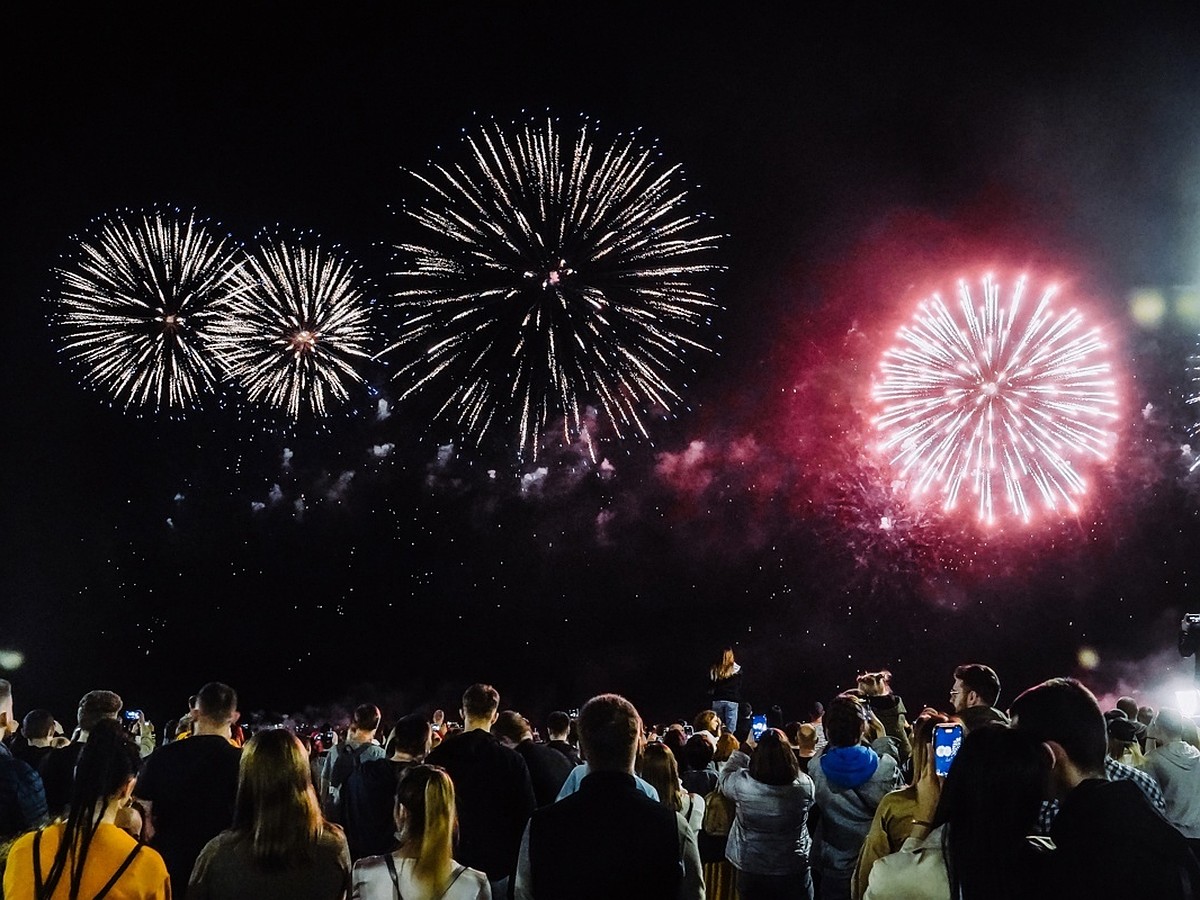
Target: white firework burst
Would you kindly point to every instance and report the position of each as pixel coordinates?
(555, 272)
(1194, 400)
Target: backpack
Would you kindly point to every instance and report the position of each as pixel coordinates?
(346, 783)
(714, 828)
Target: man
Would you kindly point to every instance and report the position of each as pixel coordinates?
(558, 732)
(369, 795)
(187, 788)
(1096, 813)
(58, 768)
(492, 788)
(22, 799)
(1175, 765)
(548, 769)
(38, 730)
(974, 694)
(608, 839)
(343, 759)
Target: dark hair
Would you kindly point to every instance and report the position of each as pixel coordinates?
(558, 723)
(989, 803)
(511, 725)
(981, 679)
(366, 717)
(1064, 711)
(96, 706)
(773, 761)
(410, 735)
(107, 761)
(844, 719)
(216, 702)
(675, 740)
(480, 701)
(609, 728)
(698, 752)
(5, 689)
(38, 723)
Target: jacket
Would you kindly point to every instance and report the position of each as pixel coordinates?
(849, 783)
(769, 835)
(1176, 768)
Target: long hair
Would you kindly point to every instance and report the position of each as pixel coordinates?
(773, 761)
(276, 808)
(425, 795)
(989, 803)
(106, 763)
(724, 668)
(922, 742)
(660, 770)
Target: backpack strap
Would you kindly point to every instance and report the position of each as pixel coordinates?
(38, 884)
(120, 871)
(390, 861)
(453, 879)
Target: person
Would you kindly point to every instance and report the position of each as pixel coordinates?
(769, 844)
(493, 788)
(548, 769)
(725, 687)
(279, 844)
(370, 821)
(188, 787)
(423, 866)
(974, 695)
(58, 768)
(1175, 765)
(699, 773)
(572, 848)
(558, 732)
(87, 855)
(660, 770)
(888, 707)
(726, 745)
(707, 720)
(893, 821)
(37, 728)
(343, 758)
(850, 779)
(1095, 812)
(970, 838)
(1124, 739)
(22, 795)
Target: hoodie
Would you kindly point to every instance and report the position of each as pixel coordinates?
(849, 783)
(1176, 768)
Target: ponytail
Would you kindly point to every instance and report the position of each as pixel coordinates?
(433, 861)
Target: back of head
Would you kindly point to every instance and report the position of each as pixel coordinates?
(1064, 711)
(922, 740)
(558, 723)
(726, 745)
(366, 718)
(725, 664)
(512, 726)
(773, 761)
(410, 735)
(1128, 706)
(675, 738)
(217, 703)
(844, 720)
(276, 808)
(38, 724)
(480, 701)
(609, 728)
(425, 806)
(1167, 726)
(981, 679)
(95, 706)
(660, 769)
(698, 752)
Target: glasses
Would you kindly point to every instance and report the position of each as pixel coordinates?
(955, 693)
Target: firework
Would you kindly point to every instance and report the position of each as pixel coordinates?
(1194, 399)
(138, 304)
(1000, 401)
(297, 327)
(553, 272)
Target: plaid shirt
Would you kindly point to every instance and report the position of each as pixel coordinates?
(1114, 771)
(22, 798)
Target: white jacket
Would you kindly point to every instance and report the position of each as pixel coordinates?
(1176, 768)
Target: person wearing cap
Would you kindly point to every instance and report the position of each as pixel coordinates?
(1175, 764)
(58, 768)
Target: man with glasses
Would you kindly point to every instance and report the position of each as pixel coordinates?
(974, 694)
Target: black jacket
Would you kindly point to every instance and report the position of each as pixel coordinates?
(548, 770)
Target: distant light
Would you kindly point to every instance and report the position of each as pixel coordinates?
(1188, 702)
(11, 659)
(1187, 307)
(1088, 658)
(1148, 307)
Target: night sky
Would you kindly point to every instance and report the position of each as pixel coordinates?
(856, 160)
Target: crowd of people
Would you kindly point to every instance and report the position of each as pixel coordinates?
(1053, 798)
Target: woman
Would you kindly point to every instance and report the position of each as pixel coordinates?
(725, 685)
(423, 867)
(768, 842)
(978, 848)
(893, 822)
(727, 745)
(279, 845)
(707, 720)
(88, 855)
(660, 770)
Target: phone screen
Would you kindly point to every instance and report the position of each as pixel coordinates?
(946, 741)
(758, 724)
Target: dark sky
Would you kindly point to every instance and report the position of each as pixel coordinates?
(854, 159)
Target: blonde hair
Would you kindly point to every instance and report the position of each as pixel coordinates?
(426, 795)
(276, 806)
(724, 668)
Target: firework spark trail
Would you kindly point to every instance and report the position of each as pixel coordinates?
(1194, 399)
(555, 273)
(298, 325)
(139, 303)
(996, 400)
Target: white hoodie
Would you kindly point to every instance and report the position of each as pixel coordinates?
(1176, 767)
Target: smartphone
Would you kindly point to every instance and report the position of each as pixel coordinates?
(758, 724)
(946, 741)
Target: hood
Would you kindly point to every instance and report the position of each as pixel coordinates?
(848, 767)
(1180, 754)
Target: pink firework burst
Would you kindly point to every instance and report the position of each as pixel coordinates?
(1001, 402)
